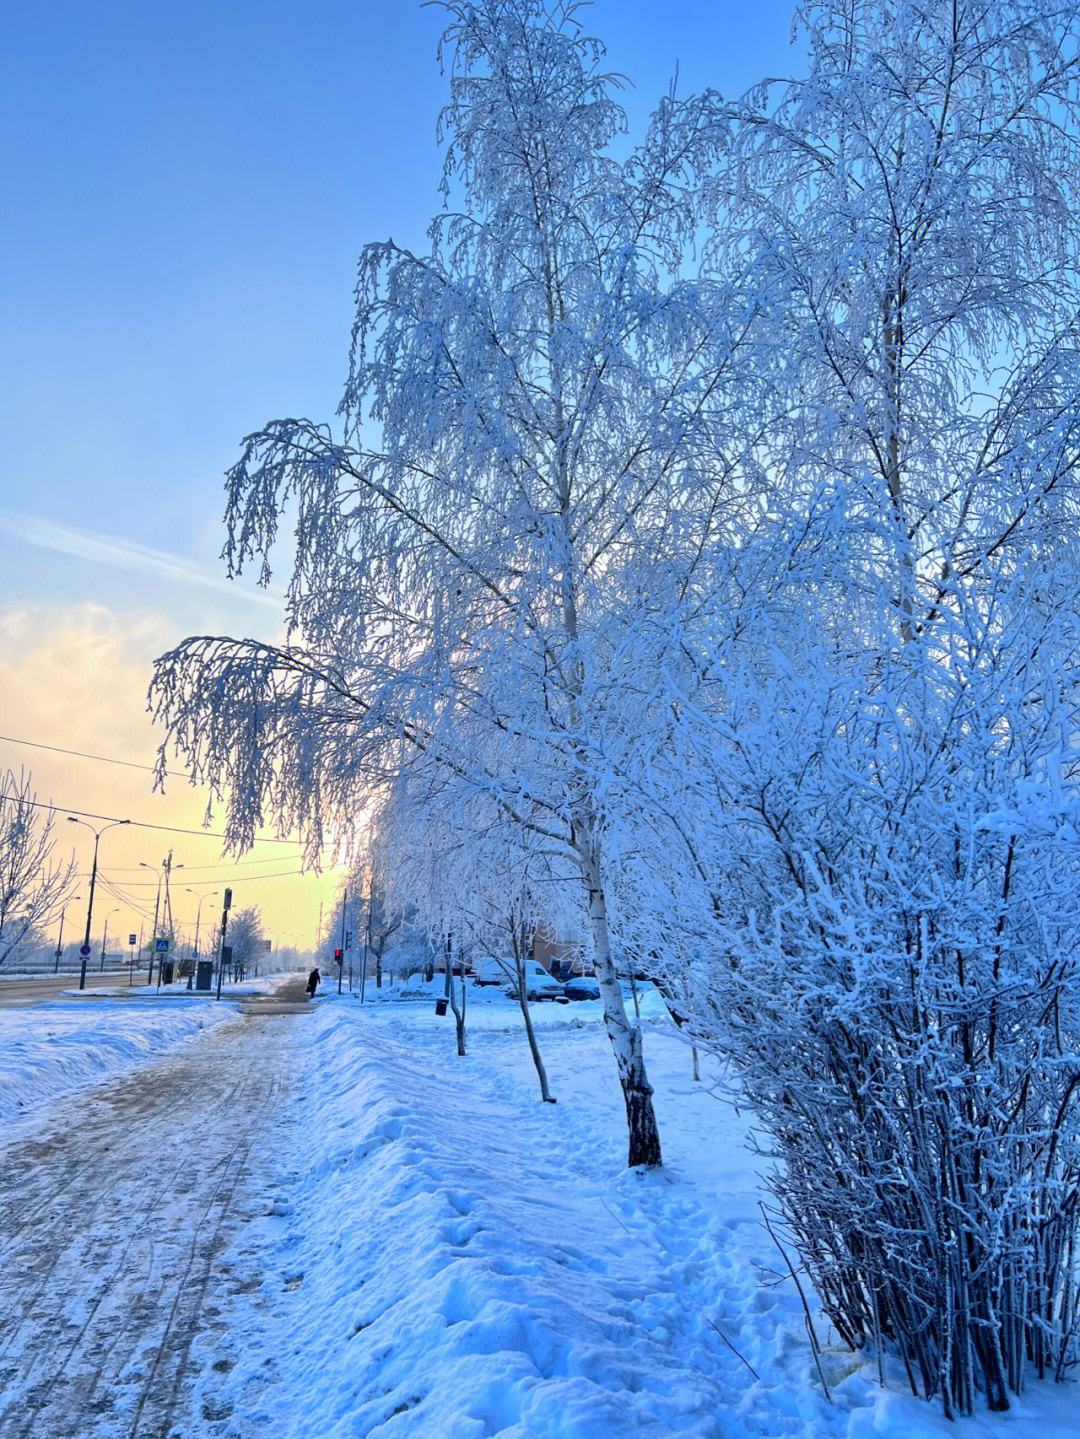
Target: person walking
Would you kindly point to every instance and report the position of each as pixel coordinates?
(314, 979)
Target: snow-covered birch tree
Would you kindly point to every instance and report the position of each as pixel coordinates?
(532, 402)
(910, 210)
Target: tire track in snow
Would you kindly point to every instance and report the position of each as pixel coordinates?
(110, 1272)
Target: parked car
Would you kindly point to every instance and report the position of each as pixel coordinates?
(488, 970)
(582, 986)
(539, 984)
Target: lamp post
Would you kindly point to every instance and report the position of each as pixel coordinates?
(225, 907)
(60, 939)
(105, 935)
(344, 937)
(97, 833)
(198, 921)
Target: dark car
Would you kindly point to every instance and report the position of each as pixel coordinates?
(582, 986)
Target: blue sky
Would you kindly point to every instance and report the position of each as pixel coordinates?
(187, 189)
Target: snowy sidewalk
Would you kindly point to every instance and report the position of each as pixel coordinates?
(457, 1260)
(123, 1224)
(464, 1261)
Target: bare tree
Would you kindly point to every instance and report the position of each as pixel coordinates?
(33, 883)
(245, 938)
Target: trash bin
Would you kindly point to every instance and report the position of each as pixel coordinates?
(204, 974)
(168, 970)
(440, 1006)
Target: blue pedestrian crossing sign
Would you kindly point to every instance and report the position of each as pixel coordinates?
(161, 946)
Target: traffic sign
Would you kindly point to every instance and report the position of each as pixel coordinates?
(161, 946)
(84, 950)
(132, 938)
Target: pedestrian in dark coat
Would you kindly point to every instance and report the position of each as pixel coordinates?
(313, 981)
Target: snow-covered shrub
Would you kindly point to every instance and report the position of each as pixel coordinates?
(893, 968)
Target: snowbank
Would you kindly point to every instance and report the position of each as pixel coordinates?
(47, 1050)
(448, 1258)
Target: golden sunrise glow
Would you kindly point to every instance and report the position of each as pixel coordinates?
(76, 677)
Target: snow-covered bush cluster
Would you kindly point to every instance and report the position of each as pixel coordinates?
(691, 573)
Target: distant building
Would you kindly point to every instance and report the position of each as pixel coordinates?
(561, 957)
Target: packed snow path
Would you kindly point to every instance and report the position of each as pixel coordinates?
(119, 1228)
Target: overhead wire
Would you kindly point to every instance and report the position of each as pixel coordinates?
(81, 754)
(137, 823)
(217, 879)
(115, 891)
(218, 864)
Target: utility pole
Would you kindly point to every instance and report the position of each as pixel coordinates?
(60, 939)
(168, 911)
(162, 873)
(367, 936)
(341, 966)
(105, 935)
(153, 932)
(168, 897)
(224, 923)
(97, 833)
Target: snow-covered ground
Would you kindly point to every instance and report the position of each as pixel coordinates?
(53, 1048)
(450, 1257)
(410, 1245)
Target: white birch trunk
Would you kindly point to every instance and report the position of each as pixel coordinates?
(626, 1040)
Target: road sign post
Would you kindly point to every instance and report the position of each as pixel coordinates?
(162, 945)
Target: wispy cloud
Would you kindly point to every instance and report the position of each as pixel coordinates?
(127, 555)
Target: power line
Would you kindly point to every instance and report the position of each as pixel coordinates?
(81, 754)
(220, 864)
(249, 878)
(220, 879)
(137, 823)
(116, 892)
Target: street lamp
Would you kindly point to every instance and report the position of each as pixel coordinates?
(97, 833)
(198, 920)
(105, 935)
(60, 940)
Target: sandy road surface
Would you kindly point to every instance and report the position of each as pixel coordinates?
(121, 1237)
